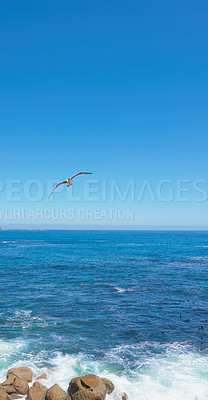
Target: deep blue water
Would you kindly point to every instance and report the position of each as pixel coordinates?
(130, 305)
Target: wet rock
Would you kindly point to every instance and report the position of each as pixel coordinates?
(37, 392)
(15, 384)
(109, 385)
(3, 394)
(43, 376)
(21, 372)
(120, 396)
(89, 387)
(57, 393)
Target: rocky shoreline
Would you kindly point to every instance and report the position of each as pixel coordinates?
(20, 382)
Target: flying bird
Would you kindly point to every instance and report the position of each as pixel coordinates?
(68, 181)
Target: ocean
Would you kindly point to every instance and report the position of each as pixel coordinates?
(131, 306)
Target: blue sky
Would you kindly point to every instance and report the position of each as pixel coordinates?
(115, 87)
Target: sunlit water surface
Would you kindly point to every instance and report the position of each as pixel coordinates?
(130, 306)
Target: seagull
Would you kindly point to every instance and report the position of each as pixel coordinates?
(69, 181)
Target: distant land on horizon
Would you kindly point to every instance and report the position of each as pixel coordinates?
(104, 228)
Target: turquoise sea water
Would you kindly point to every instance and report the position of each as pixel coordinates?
(131, 306)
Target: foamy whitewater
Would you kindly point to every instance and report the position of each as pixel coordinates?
(129, 306)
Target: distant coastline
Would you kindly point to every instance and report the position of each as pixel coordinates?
(90, 227)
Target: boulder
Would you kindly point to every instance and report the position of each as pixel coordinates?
(122, 396)
(109, 385)
(8, 385)
(15, 396)
(57, 393)
(21, 372)
(90, 387)
(15, 384)
(3, 394)
(43, 376)
(20, 385)
(37, 392)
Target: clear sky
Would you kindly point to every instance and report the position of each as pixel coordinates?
(116, 87)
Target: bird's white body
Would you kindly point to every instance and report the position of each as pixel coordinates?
(69, 182)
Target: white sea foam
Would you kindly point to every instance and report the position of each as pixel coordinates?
(179, 374)
(119, 289)
(11, 347)
(9, 351)
(7, 241)
(25, 319)
(199, 258)
(160, 372)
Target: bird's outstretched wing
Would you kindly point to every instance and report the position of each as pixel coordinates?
(80, 173)
(59, 184)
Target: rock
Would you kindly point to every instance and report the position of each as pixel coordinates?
(8, 385)
(3, 394)
(109, 385)
(57, 393)
(90, 387)
(20, 385)
(120, 396)
(43, 376)
(21, 372)
(37, 392)
(15, 396)
(124, 396)
(7, 388)
(15, 384)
